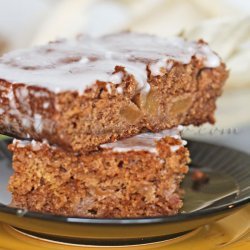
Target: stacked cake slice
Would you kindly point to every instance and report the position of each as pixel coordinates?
(139, 176)
(99, 119)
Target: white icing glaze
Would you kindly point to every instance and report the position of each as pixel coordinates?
(20, 144)
(22, 94)
(38, 123)
(156, 67)
(119, 90)
(108, 88)
(1, 111)
(145, 142)
(45, 105)
(116, 78)
(210, 61)
(35, 145)
(141, 142)
(77, 64)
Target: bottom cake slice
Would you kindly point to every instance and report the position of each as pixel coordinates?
(134, 177)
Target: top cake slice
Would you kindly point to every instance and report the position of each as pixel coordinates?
(86, 91)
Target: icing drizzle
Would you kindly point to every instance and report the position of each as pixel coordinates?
(145, 141)
(141, 142)
(78, 63)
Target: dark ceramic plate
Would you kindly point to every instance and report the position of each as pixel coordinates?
(226, 191)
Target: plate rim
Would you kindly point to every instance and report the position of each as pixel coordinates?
(215, 210)
(124, 221)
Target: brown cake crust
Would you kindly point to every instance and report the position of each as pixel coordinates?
(101, 183)
(80, 122)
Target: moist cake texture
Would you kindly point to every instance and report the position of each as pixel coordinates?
(134, 177)
(87, 91)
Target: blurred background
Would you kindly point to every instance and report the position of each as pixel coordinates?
(225, 24)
